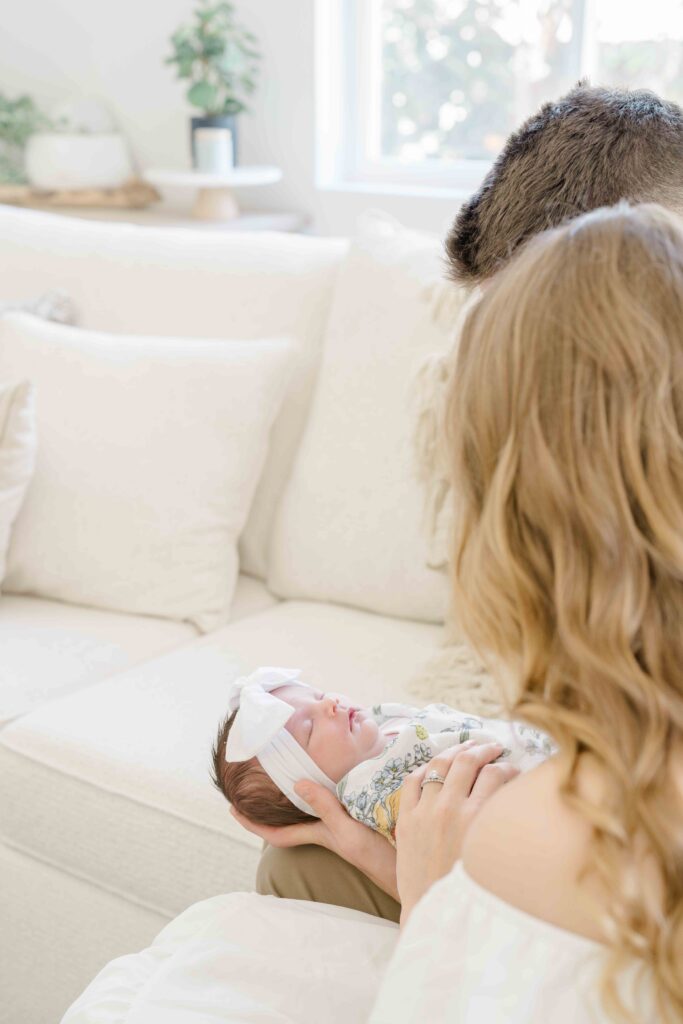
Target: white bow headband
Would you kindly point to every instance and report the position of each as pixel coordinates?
(258, 731)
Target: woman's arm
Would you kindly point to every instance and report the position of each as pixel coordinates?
(337, 831)
(433, 821)
(546, 843)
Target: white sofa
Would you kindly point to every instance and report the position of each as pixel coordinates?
(109, 824)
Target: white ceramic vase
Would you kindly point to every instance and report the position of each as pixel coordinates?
(58, 160)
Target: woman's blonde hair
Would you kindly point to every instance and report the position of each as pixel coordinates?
(564, 421)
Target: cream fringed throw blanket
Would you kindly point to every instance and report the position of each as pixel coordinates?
(453, 674)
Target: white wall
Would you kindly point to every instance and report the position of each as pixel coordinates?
(53, 49)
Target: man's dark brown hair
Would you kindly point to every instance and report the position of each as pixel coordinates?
(590, 148)
(248, 788)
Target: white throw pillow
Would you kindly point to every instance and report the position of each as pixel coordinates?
(17, 456)
(189, 283)
(350, 524)
(150, 451)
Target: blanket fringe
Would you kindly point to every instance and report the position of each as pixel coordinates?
(454, 675)
(429, 390)
(446, 301)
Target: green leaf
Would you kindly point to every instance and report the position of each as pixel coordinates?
(213, 46)
(202, 95)
(185, 68)
(186, 51)
(227, 53)
(181, 35)
(233, 106)
(233, 59)
(19, 119)
(225, 8)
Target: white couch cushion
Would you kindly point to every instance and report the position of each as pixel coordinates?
(50, 648)
(69, 927)
(349, 527)
(51, 305)
(149, 453)
(210, 964)
(142, 280)
(112, 783)
(17, 456)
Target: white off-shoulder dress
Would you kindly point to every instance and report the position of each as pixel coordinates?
(468, 957)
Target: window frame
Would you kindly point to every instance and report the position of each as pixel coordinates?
(346, 31)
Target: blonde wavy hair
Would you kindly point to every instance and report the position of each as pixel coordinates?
(564, 423)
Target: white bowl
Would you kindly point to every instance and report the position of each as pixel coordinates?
(57, 160)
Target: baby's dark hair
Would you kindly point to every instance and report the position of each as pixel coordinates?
(247, 786)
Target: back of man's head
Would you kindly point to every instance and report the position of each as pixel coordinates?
(590, 148)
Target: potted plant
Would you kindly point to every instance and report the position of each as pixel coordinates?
(220, 60)
(19, 119)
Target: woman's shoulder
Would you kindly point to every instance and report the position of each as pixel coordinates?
(527, 846)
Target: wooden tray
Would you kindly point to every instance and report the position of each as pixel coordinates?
(134, 195)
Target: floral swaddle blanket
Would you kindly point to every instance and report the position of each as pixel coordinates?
(371, 792)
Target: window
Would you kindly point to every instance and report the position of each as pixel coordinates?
(425, 92)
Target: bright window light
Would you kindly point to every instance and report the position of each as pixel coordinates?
(425, 92)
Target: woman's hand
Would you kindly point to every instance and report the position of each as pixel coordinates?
(337, 831)
(432, 822)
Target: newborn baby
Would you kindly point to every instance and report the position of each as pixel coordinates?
(280, 730)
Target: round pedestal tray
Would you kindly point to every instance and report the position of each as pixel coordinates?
(216, 199)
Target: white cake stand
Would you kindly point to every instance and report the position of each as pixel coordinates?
(216, 199)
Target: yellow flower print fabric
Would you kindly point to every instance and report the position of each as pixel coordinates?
(371, 792)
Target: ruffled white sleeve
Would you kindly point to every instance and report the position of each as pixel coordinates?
(468, 957)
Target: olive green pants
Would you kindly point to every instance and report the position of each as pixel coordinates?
(314, 873)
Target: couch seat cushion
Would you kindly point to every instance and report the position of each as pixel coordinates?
(112, 783)
(50, 649)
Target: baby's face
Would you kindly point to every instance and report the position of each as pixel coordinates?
(334, 731)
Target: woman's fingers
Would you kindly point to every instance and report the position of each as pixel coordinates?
(325, 804)
(465, 767)
(458, 765)
(410, 790)
(282, 835)
(461, 766)
(490, 778)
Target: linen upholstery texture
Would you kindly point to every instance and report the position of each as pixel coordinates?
(68, 927)
(50, 648)
(151, 449)
(51, 305)
(350, 524)
(117, 774)
(126, 278)
(17, 456)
